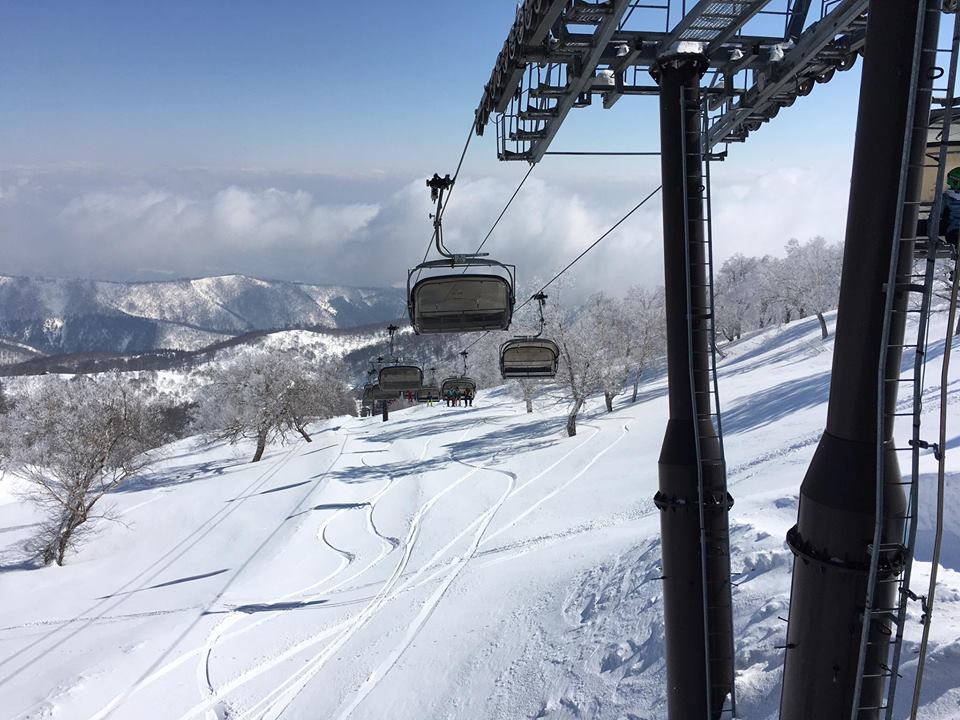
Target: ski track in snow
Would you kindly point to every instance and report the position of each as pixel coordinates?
(479, 528)
(273, 704)
(347, 629)
(202, 652)
(431, 603)
(147, 575)
(302, 593)
(287, 691)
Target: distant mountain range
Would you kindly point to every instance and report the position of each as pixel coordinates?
(42, 316)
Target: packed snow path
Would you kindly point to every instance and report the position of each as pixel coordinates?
(450, 563)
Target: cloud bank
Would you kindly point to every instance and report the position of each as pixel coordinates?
(122, 229)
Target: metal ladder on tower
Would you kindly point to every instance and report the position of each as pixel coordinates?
(708, 428)
(891, 560)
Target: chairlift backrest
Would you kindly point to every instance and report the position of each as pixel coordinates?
(529, 357)
(401, 378)
(377, 393)
(428, 393)
(461, 303)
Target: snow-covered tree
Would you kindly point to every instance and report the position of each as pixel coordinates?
(607, 322)
(267, 395)
(738, 292)
(581, 360)
(245, 400)
(5, 439)
(751, 293)
(808, 279)
(645, 314)
(528, 391)
(316, 391)
(75, 441)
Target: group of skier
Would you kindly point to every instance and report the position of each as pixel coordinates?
(454, 396)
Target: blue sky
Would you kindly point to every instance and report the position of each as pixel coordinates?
(286, 85)
(189, 138)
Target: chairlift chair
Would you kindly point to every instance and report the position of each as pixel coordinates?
(401, 378)
(377, 394)
(397, 377)
(429, 393)
(460, 383)
(530, 356)
(459, 302)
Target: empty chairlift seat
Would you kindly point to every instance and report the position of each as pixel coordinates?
(529, 358)
(401, 378)
(377, 393)
(451, 301)
(461, 303)
(429, 393)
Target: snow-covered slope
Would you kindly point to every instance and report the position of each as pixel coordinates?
(58, 315)
(451, 563)
(14, 352)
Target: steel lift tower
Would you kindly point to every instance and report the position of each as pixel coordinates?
(721, 69)
(856, 528)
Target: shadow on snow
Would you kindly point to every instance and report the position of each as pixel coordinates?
(770, 405)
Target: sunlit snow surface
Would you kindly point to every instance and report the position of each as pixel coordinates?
(451, 563)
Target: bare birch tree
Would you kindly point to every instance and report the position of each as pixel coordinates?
(76, 441)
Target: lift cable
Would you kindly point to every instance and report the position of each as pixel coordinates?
(503, 212)
(573, 262)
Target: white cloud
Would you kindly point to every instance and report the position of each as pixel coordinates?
(757, 213)
(116, 229)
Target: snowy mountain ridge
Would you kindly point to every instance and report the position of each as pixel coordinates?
(67, 315)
